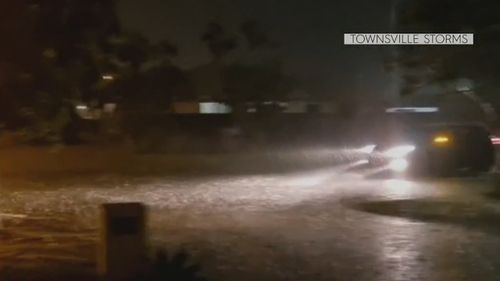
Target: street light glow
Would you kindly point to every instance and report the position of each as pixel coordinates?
(108, 77)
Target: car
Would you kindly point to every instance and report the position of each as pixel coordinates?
(439, 149)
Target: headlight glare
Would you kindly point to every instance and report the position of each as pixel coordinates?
(367, 149)
(398, 165)
(399, 151)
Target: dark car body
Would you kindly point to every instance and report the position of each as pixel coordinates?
(439, 149)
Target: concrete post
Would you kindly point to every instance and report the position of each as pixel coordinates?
(122, 245)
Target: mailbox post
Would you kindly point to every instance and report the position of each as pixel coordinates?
(122, 245)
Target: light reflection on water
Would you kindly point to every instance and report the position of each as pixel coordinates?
(399, 188)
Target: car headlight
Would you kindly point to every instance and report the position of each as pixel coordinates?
(399, 151)
(398, 165)
(367, 149)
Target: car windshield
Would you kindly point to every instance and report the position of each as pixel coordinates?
(249, 140)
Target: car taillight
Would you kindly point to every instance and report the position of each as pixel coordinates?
(495, 140)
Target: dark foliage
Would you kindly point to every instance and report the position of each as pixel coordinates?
(219, 42)
(177, 267)
(442, 64)
(254, 34)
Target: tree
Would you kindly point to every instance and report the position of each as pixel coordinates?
(16, 54)
(246, 81)
(256, 83)
(52, 54)
(148, 82)
(446, 65)
(55, 54)
(254, 34)
(148, 76)
(219, 42)
(442, 64)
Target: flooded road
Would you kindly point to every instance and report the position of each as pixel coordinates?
(325, 224)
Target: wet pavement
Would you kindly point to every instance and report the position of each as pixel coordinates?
(318, 225)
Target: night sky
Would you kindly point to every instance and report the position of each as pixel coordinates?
(309, 33)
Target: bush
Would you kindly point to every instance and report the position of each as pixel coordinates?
(177, 267)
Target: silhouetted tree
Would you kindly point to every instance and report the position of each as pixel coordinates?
(219, 42)
(256, 83)
(54, 52)
(244, 81)
(441, 64)
(178, 267)
(254, 34)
